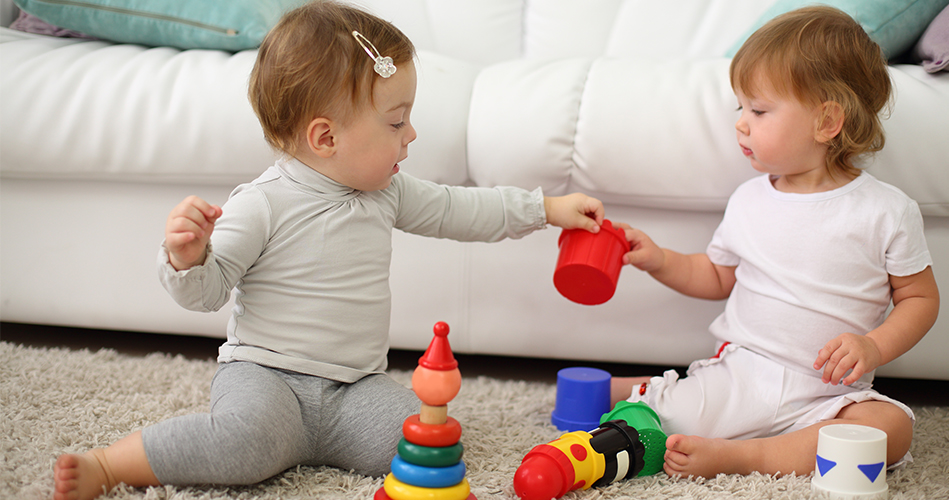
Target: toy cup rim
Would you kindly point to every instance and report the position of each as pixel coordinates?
(607, 227)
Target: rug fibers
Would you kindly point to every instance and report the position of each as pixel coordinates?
(63, 401)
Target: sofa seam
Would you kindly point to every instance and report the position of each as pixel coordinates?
(576, 123)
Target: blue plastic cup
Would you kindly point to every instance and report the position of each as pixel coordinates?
(583, 396)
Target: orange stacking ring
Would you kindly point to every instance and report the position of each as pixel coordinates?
(434, 435)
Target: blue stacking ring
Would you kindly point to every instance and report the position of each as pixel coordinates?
(427, 477)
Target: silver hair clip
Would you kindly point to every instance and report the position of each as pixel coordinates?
(384, 66)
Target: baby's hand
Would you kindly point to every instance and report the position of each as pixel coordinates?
(574, 211)
(847, 351)
(188, 231)
(644, 254)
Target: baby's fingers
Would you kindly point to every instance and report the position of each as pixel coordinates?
(840, 369)
(593, 208)
(185, 218)
(826, 352)
(855, 375)
(175, 241)
(196, 210)
(208, 211)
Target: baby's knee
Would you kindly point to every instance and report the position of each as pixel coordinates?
(253, 450)
(220, 449)
(266, 434)
(899, 434)
(889, 418)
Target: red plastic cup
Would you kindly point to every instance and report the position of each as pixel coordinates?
(589, 264)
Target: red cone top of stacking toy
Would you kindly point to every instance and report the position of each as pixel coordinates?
(438, 356)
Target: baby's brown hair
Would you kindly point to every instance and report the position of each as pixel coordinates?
(817, 55)
(310, 65)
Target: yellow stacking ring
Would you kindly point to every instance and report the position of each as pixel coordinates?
(397, 490)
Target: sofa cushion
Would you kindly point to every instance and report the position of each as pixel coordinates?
(184, 115)
(482, 32)
(894, 24)
(683, 28)
(185, 24)
(590, 127)
(660, 134)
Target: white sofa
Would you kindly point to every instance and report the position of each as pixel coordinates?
(627, 100)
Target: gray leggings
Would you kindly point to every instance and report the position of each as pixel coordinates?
(264, 421)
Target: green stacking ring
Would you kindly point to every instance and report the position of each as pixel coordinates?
(428, 456)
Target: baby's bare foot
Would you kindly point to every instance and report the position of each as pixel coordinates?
(81, 477)
(703, 457)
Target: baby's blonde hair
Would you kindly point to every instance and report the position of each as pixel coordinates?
(817, 55)
(311, 66)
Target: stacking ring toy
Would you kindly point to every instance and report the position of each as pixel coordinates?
(434, 435)
(427, 477)
(381, 495)
(397, 490)
(428, 456)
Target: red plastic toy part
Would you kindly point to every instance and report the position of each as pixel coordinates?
(440, 435)
(544, 473)
(438, 356)
(589, 265)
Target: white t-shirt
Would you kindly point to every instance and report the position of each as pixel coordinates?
(813, 266)
(309, 261)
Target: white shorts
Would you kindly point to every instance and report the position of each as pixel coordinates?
(742, 395)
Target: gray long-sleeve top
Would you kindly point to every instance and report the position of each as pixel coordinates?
(308, 259)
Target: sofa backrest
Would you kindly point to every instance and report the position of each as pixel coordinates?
(493, 31)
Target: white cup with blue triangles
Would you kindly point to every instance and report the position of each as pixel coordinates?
(851, 463)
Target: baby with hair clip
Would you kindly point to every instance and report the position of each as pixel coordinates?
(307, 247)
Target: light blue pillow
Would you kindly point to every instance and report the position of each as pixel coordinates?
(894, 24)
(231, 25)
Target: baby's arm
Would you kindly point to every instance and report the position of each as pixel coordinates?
(915, 307)
(574, 211)
(188, 231)
(694, 275)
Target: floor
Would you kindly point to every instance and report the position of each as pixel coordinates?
(910, 391)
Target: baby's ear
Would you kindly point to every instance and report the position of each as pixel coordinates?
(320, 137)
(829, 122)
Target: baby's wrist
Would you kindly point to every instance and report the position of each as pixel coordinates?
(183, 265)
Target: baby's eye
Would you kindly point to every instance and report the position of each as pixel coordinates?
(757, 112)
(398, 126)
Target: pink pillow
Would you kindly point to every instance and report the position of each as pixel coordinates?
(32, 24)
(933, 47)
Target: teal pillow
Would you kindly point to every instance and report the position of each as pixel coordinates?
(231, 25)
(894, 24)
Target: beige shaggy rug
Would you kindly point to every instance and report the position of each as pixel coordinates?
(57, 400)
